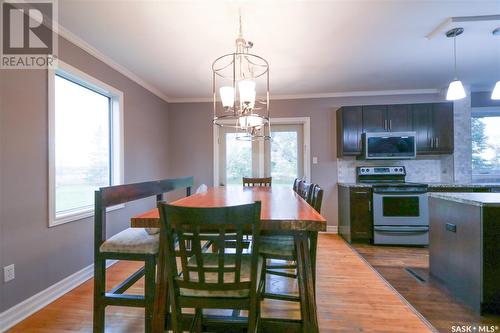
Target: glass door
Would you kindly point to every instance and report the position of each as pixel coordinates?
(282, 157)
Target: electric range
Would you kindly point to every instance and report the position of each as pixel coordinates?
(400, 208)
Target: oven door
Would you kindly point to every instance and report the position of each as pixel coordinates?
(400, 209)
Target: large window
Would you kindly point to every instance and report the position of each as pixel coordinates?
(485, 132)
(85, 138)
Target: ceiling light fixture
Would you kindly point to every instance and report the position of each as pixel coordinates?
(237, 77)
(455, 89)
(495, 94)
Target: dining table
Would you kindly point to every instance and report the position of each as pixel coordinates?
(283, 211)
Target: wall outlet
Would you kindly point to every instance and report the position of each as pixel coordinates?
(9, 273)
(315, 160)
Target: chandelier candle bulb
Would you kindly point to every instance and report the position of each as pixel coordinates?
(227, 96)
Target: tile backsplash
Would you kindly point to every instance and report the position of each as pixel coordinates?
(431, 169)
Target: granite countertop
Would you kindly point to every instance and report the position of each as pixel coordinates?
(354, 185)
(472, 185)
(476, 199)
(434, 185)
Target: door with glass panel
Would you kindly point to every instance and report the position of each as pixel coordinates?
(282, 157)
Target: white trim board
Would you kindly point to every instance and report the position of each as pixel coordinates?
(324, 95)
(26, 308)
(305, 121)
(332, 229)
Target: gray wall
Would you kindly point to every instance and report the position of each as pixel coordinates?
(42, 255)
(191, 137)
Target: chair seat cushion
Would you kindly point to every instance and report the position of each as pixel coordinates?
(211, 260)
(278, 246)
(132, 240)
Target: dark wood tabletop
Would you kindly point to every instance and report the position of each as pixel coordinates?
(282, 208)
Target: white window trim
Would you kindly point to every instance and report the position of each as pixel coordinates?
(305, 121)
(117, 151)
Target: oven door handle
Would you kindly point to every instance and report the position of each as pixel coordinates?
(399, 192)
(403, 229)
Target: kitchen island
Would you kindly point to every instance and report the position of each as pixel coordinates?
(464, 247)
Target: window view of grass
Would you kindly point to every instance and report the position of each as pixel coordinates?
(238, 159)
(284, 166)
(82, 144)
(486, 149)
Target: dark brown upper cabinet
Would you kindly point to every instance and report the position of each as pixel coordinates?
(432, 122)
(374, 118)
(387, 118)
(442, 128)
(399, 118)
(349, 130)
(422, 125)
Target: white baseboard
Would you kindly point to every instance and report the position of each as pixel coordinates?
(26, 308)
(333, 229)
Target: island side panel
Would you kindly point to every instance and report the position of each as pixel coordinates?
(491, 259)
(455, 248)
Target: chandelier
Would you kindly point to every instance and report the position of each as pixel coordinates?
(236, 79)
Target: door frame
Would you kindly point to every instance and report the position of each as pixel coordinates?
(304, 121)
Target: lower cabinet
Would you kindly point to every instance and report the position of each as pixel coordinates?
(355, 214)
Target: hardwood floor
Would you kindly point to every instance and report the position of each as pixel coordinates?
(351, 297)
(429, 297)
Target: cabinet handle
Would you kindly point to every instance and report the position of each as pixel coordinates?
(385, 124)
(390, 124)
(437, 142)
(451, 227)
(431, 142)
(369, 206)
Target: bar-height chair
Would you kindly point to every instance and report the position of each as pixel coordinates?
(203, 280)
(282, 247)
(296, 183)
(249, 182)
(134, 244)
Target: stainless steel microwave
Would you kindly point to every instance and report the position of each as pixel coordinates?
(389, 145)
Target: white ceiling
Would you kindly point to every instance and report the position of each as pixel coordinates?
(313, 47)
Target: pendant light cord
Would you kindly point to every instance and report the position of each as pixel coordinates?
(455, 55)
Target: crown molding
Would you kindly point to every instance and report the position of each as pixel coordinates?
(71, 37)
(324, 95)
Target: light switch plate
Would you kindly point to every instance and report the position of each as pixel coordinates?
(9, 273)
(315, 160)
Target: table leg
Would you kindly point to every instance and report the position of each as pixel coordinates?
(161, 293)
(306, 283)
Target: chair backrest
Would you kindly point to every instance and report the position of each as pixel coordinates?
(305, 190)
(220, 226)
(119, 194)
(296, 183)
(317, 197)
(257, 181)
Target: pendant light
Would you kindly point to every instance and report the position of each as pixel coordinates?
(495, 94)
(237, 78)
(456, 89)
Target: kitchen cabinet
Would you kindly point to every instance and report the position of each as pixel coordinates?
(442, 128)
(355, 214)
(374, 118)
(385, 118)
(399, 118)
(422, 125)
(349, 130)
(432, 123)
